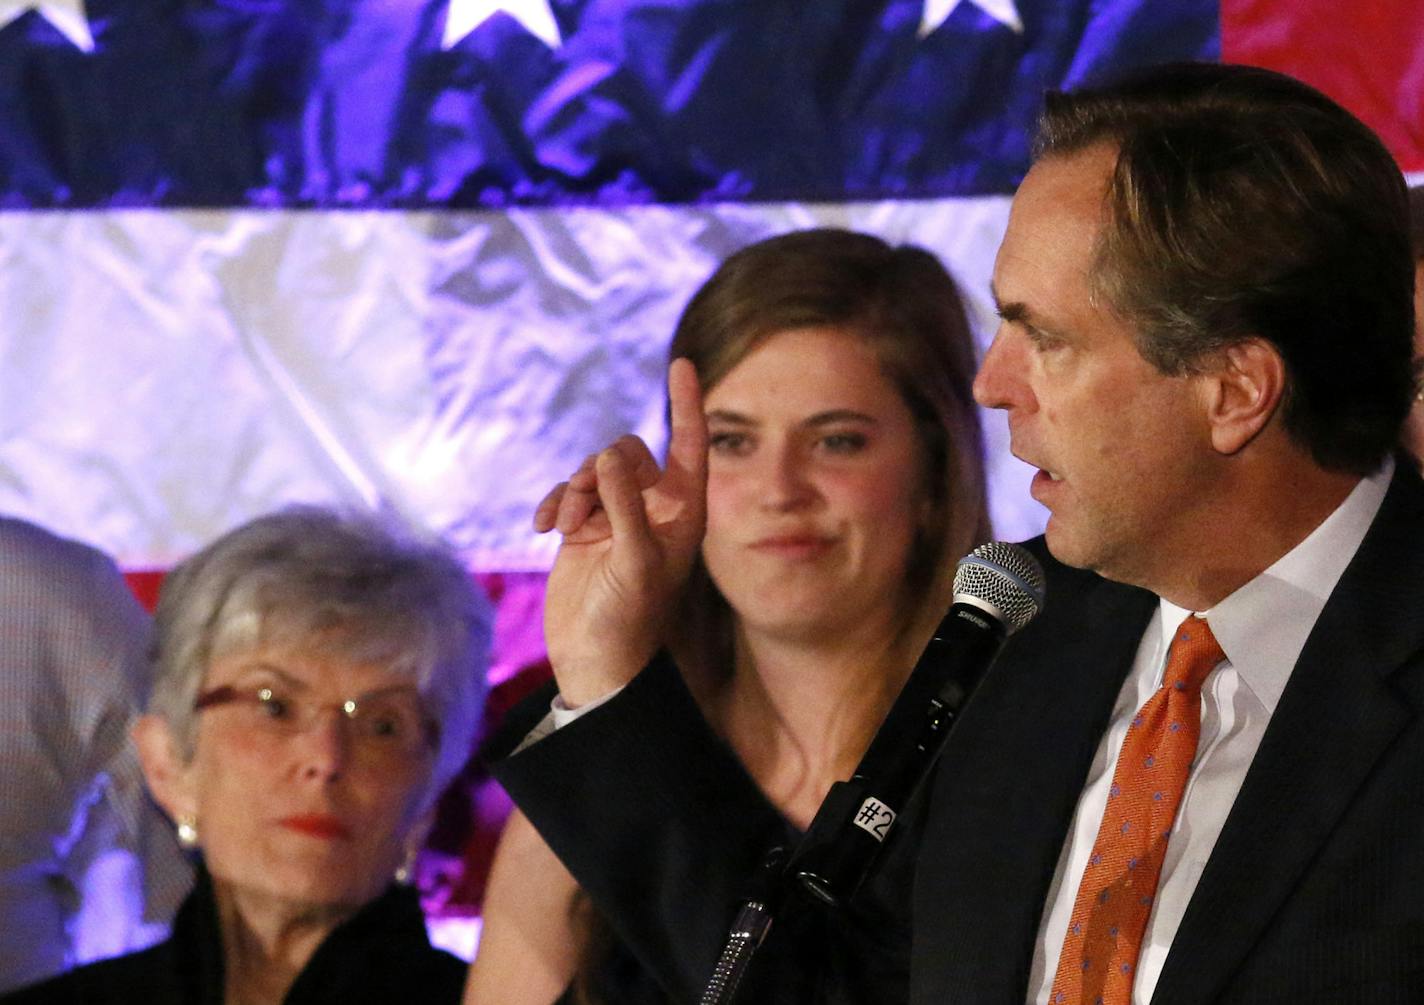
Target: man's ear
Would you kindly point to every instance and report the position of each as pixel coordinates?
(164, 768)
(1245, 384)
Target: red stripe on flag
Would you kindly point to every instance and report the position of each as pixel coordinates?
(145, 583)
(1366, 56)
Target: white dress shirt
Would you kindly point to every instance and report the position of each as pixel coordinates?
(1262, 628)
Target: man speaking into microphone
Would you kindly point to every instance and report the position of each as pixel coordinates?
(1196, 776)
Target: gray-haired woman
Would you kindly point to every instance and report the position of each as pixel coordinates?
(319, 678)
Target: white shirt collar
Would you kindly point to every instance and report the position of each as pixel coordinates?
(1262, 627)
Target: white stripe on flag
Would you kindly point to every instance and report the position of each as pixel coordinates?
(167, 375)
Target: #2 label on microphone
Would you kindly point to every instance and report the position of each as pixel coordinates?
(875, 818)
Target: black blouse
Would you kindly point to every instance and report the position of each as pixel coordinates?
(379, 955)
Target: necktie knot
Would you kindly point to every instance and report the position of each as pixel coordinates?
(1194, 653)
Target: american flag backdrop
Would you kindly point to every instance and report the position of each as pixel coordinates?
(423, 255)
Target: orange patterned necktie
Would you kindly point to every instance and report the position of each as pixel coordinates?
(1099, 959)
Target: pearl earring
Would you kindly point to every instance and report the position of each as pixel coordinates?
(187, 833)
(405, 872)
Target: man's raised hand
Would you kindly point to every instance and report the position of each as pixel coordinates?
(631, 531)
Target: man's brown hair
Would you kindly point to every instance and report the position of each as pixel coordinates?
(1247, 204)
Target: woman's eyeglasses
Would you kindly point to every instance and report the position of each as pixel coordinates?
(388, 725)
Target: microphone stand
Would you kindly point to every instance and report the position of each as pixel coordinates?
(749, 928)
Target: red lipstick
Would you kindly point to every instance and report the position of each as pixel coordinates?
(317, 825)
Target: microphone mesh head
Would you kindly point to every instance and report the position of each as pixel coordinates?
(1005, 577)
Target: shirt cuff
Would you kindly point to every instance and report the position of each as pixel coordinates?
(559, 716)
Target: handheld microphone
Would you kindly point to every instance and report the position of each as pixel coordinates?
(998, 588)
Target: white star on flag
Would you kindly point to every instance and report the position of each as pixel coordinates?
(937, 12)
(464, 16)
(67, 16)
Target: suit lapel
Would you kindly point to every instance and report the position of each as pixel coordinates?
(1008, 785)
(1337, 717)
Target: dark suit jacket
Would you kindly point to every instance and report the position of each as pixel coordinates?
(1313, 893)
